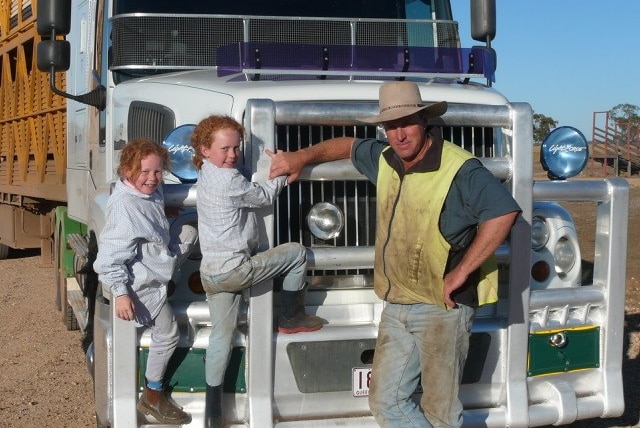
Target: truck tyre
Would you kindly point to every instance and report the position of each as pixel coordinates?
(4, 251)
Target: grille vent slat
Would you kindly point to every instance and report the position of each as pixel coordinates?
(148, 120)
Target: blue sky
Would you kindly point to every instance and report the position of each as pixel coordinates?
(567, 58)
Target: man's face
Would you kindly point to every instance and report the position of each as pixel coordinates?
(407, 137)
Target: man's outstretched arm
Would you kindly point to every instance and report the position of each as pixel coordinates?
(291, 163)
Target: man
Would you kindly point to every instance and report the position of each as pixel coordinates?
(440, 217)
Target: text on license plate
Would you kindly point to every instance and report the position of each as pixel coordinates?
(360, 381)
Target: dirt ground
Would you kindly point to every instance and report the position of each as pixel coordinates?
(45, 382)
(44, 377)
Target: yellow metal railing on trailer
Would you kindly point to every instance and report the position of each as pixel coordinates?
(32, 118)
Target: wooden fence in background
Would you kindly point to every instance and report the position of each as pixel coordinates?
(613, 150)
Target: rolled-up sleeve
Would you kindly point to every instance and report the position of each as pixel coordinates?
(365, 156)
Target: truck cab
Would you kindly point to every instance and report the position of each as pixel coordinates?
(296, 73)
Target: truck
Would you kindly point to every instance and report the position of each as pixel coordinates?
(80, 78)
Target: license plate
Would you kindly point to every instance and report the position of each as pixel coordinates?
(360, 381)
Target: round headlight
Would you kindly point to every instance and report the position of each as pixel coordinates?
(325, 220)
(564, 256)
(539, 233)
(178, 143)
(564, 153)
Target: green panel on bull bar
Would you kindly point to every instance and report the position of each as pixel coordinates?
(564, 350)
(311, 361)
(185, 372)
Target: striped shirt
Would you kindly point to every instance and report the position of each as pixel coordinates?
(133, 250)
(227, 225)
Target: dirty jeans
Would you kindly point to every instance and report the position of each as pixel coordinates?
(223, 298)
(164, 339)
(419, 340)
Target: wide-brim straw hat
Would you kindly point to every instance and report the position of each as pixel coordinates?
(402, 99)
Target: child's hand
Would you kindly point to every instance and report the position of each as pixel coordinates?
(124, 308)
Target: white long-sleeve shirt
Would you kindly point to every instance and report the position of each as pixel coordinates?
(227, 225)
(133, 250)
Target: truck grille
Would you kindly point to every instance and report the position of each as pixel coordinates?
(356, 199)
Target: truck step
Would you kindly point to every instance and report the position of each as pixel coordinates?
(77, 301)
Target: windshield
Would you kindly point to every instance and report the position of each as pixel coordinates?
(389, 9)
(161, 36)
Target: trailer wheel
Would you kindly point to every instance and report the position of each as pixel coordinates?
(4, 251)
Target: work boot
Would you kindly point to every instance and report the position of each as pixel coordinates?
(154, 403)
(213, 407)
(293, 318)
